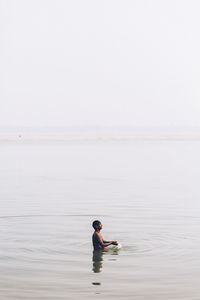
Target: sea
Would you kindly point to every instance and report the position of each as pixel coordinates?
(145, 192)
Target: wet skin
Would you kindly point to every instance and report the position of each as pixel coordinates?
(98, 242)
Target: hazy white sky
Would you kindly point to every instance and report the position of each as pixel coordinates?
(108, 62)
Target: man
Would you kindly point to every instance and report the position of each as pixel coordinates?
(97, 239)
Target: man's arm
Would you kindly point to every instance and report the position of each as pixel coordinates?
(112, 242)
(105, 243)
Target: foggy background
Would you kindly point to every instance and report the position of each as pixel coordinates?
(99, 63)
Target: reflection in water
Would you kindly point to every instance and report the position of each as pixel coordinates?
(97, 260)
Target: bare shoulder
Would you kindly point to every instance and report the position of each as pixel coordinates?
(97, 236)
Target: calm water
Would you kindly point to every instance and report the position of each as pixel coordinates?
(145, 193)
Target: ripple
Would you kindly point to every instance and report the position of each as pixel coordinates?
(162, 243)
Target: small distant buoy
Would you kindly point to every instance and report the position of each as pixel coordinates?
(96, 283)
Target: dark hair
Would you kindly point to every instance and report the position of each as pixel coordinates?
(95, 223)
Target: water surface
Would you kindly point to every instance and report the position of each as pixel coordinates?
(146, 194)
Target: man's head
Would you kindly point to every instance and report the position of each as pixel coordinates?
(97, 225)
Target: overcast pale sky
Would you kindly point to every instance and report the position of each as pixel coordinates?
(108, 62)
